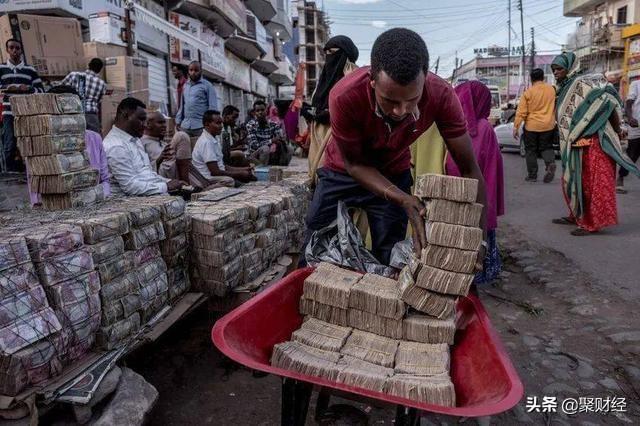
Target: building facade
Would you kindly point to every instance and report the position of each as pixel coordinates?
(313, 32)
(598, 41)
(239, 43)
(492, 71)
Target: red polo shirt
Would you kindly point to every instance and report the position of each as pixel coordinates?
(356, 127)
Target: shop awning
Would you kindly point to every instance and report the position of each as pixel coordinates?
(263, 9)
(244, 47)
(265, 65)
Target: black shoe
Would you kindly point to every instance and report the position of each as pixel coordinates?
(531, 179)
(551, 172)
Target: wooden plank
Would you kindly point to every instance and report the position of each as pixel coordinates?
(188, 303)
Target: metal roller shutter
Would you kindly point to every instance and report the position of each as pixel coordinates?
(157, 78)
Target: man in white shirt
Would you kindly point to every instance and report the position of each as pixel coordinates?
(207, 158)
(632, 111)
(131, 172)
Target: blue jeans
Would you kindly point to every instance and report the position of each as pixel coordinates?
(9, 143)
(387, 221)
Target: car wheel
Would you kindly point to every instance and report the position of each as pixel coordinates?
(523, 152)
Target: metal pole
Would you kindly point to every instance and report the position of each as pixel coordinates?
(509, 54)
(522, 65)
(532, 59)
(167, 60)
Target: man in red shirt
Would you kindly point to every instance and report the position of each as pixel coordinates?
(377, 112)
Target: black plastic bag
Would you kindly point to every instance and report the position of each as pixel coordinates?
(401, 254)
(340, 243)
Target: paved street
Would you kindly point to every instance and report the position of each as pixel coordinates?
(611, 257)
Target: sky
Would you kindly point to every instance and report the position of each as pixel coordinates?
(451, 25)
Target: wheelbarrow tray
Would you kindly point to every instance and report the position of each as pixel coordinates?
(485, 381)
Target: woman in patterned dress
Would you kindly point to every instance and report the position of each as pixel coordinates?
(589, 115)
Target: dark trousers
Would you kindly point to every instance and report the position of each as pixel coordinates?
(633, 151)
(9, 143)
(387, 221)
(535, 144)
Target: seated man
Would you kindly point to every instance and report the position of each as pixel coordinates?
(233, 138)
(131, 172)
(170, 160)
(265, 138)
(207, 159)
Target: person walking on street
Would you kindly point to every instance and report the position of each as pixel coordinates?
(589, 121)
(16, 78)
(475, 98)
(632, 111)
(198, 97)
(536, 111)
(91, 88)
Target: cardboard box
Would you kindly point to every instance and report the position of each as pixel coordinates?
(109, 106)
(130, 73)
(106, 27)
(94, 49)
(52, 45)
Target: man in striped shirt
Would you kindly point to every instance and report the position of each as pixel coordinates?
(16, 78)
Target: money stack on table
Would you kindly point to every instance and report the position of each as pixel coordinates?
(50, 132)
(357, 332)
(446, 267)
(235, 238)
(31, 340)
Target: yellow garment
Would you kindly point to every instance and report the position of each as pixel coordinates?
(537, 108)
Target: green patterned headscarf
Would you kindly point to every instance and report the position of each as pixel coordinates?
(568, 61)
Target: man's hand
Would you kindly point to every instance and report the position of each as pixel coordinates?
(23, 88)
(175, 184)
(633, 122)
(416, 212)
(166, 155)
(516, 133)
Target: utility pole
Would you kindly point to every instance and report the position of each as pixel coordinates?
(522, 65)
(437, 64)
(509, 54)
(532, 59)
(455, 68)
(127, 22)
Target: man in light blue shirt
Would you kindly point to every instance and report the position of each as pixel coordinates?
(198, 96)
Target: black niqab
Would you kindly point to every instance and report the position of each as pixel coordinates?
(333, 69)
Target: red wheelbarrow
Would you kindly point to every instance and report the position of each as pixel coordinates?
(486, 382)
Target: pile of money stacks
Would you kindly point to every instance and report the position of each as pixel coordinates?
(445, 270)
(357, 332)
(66, 271)
(50, 130)
(236, 238)
(30, 332)
(119, 294)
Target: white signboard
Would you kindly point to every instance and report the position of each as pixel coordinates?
(74, 7)
(148, 35)
(214, 61)
(238, 72)
(261, 37)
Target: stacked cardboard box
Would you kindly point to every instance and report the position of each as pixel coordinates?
(50, 130)
(236, 238)
(445, 271)
(66, 270)
(31, 340)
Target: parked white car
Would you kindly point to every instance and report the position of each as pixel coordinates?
(506, 140)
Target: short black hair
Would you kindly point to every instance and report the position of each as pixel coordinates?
(180, 68)
(229, 109)
(195, 62)
(259, 102)
(6, 44)
(401, 53)
(96, 65)
(129, 105)
(207, 117)
(537, 74)
(62, 89)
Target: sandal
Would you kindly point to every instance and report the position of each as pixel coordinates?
(564, 221)
(580, 232)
